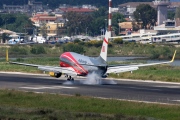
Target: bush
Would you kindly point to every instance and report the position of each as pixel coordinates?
(70, 47)
(20, 60)
(18, 50)
(89, 44)
(77, 41)
(118, 41)
(110, 45)
(98, 44)
(94, 43)
(38, 50)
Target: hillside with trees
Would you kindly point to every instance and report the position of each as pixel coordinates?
(55, 3)
(16, 22)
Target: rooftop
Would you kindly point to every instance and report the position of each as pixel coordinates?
(80, 10)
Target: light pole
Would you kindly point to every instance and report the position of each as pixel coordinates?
(47, 6)
(105, 23)
(76, 29)
(102, 33)
(80, 28)
(5, 23)
(119, 25)
(67, 31)
(86, 30)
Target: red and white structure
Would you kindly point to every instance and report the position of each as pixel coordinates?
(104, 48)
(110, 17)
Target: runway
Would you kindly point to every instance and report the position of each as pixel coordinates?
(140, 91)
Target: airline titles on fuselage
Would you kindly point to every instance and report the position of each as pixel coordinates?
(82, 61)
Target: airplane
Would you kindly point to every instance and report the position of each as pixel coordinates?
(73, 64)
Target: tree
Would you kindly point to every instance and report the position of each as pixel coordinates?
(102, 11)
(43, 30)
(77, 23)
(171, 15)
(16, 22)
(58, 32)
(135, 26)
(55, 3)
(177, 14)
(116, 19)
(145, 15)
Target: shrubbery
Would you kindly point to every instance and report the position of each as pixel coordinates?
(94, 43)
(92, 48)
(118, 41)
(71, 47)
(77, 41)
(38, 49)
(18, 50)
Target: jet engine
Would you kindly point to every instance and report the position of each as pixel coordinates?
(55, 74)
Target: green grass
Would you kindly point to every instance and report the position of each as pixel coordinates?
(17, 68)
(157, 72)
(31, 105)
(20, 105)
(161, 73)
(128, 49)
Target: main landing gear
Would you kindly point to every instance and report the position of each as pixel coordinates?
(69, 78)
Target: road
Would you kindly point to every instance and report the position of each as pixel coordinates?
(132, 90)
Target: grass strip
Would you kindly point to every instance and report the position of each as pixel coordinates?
(158, 72)
(21, 105)
(165, 73)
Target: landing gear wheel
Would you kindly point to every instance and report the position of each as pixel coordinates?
(70, 78)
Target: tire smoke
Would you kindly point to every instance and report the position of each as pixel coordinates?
(93, 79)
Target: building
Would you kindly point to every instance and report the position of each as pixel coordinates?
(4, 31)
(125, 28)
(41, 18)
(127, 9)
(161, 10)
(32, 6)
(54, 29)
(53, 24)
(164, 25)
(77, 10)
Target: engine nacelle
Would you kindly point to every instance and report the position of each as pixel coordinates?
(55, 74)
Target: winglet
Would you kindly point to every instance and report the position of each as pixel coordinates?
(7, 57)
(173, 56)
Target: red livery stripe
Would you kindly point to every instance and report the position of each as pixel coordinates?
(103, 49)
(78, 68)
(105, 41)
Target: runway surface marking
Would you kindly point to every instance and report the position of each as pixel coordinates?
(144, 88)
(139, 101)
(176, 100)
(44, 87)
(166, 86)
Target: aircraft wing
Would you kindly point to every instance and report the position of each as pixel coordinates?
(66, 70)
(120, 69)
(126, 68)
